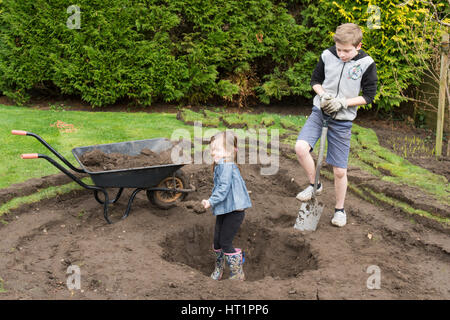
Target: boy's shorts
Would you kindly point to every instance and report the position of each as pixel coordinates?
(338, 137)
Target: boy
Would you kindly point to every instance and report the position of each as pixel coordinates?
(341, 73)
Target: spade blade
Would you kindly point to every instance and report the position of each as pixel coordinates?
(309, 215)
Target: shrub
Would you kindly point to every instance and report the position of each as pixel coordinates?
(382, 39)
(194, 50)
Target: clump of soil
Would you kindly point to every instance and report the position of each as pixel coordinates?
(195, 206)
(97, 160)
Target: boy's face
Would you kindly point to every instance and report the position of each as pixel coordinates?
(347, 51)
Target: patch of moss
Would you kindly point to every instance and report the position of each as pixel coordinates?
(212, 119)
(287, 124)
(267, 121)
(391, 167)
(405, 207)
(211, 122)
(189, 117)
(234, 120)
(2, 289)
(47, 193)
(211, 114)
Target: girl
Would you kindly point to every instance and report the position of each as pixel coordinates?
(229, 199)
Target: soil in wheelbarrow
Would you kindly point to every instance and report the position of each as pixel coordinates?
(166, 254)
(97, 160)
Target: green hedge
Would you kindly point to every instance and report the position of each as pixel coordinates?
(392, 40)
(190, 50)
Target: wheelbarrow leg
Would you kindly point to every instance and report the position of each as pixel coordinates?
(112, 201)
(105, 206)
(133, 195)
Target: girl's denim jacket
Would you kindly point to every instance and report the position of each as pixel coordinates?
(229, 192)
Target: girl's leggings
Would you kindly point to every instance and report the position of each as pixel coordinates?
(227, 226)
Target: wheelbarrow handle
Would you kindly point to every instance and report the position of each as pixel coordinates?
(30, 156)
(81, 183)
(26, 133)
(19, 132)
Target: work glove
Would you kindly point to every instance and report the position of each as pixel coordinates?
(325, 99)
(335, 105)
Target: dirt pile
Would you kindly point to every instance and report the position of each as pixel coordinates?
(97, 160)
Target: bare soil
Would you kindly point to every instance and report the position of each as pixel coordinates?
(166, 254)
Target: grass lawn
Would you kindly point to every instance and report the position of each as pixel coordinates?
(91, 128)
(84, 129)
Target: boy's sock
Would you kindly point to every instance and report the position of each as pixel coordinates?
(318, 185)
(339, 218)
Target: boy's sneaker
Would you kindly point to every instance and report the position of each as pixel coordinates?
(306, 194)
(339, 218)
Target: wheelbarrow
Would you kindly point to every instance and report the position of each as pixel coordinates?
(164, 184)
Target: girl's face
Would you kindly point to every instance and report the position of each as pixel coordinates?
(216, 149)
(219, 149)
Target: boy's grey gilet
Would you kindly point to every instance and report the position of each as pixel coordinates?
(343, 79)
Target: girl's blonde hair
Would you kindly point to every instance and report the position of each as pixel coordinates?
(225, 143)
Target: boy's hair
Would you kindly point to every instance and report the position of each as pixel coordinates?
(348, 33)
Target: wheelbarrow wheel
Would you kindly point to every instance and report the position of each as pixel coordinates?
(167, 199)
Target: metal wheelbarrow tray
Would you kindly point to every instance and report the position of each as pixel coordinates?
(164, 184)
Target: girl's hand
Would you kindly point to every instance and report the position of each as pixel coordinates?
(206, 204)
